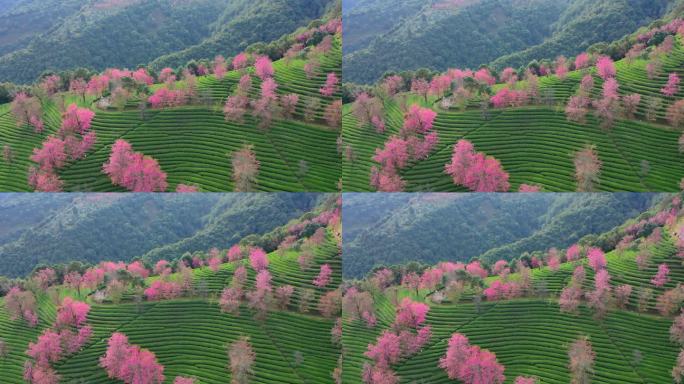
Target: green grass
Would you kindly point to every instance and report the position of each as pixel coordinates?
(536, 144)
(193, 143)
(189, 335)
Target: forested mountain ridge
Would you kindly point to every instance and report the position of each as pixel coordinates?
(472, 225)
(258, 21)
(100, 34)
(80, 227)
(445, 34)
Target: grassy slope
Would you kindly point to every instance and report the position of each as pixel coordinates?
(189, 335)
(192, 143)
(530, 336)
(535, 144)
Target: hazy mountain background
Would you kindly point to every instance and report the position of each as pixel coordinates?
(395, 35)
(59, 228)
(386, 229)
(39, 35)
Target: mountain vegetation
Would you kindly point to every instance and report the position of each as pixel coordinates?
(82, 227)
(431, 227)
(104, 34)
(440, 34)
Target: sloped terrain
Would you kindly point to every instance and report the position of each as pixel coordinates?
(536, 143)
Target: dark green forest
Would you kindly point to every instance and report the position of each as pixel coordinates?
(483, 32)
(61, 228)
(429, 228)
(102, 34)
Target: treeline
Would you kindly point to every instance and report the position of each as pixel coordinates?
(581, 28)
(488, 226)
(646, 222)
(143, 32)
(252, 217)
(304, 220)
(588, 220)
(500, 33)
(100, 228)
(267, 30)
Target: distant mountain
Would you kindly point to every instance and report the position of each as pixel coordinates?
(256, 21)
(434, 227)
(44, 35)
(438, 34)
(94, 227)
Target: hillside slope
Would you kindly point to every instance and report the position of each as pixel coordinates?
(461, 228)
(93, 228)
(292, 343)
(536, 142)
(525, 328)
(444, 34)
(192, 143)
(103, 34)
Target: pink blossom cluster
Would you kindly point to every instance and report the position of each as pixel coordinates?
(71, 313)
(509, 98)
(407, 338)
(234, 253)
(21, 304)
(440, 85)
(133, 170)
(502, 290)
(330, 86)
(662, 277)
(675, 26)
(165, 98)
(142, 77)
(50, 84)
(263, 67)
(597, 259)
(431, 278)
(98, 85)
(582, 60)
(416, 143)
(672, 86)
(159, 290)
(240, 61)
(470, 364)
(484, 77)
(116, 74)
(129, 363)
(393, 157)
(476, 171)
(166, 75)
(76, 120)
(54, 344)
(258, 259)
(27, 111)
(605, 67)
(324, 276)
(162, 268)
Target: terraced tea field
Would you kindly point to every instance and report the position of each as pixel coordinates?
(193, 143)
(530, 337)
(536, 144)
(189, 335)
